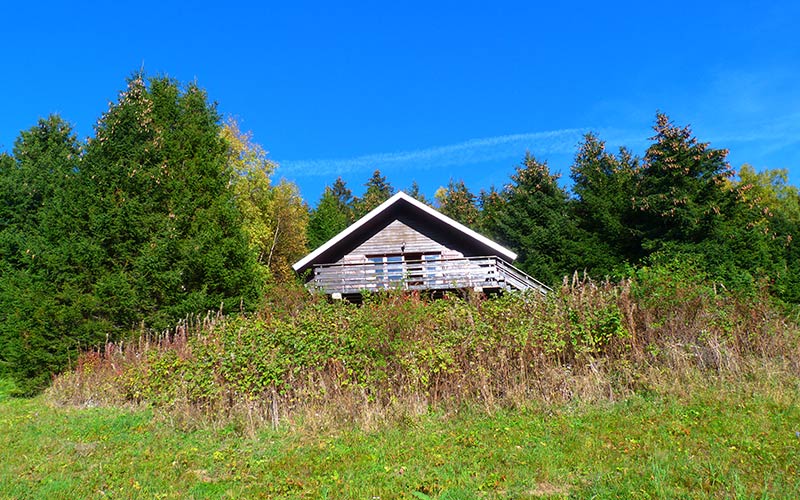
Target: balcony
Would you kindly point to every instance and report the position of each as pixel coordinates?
(480, 273)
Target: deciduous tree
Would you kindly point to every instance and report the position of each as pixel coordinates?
(275, 217)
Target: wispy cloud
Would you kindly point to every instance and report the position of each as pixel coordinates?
(777, 133)
(463, 153)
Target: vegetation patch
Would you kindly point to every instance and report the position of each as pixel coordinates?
(707, 436)
(676, 379)
(306, 359)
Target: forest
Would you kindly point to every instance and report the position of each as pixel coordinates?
(171, 210)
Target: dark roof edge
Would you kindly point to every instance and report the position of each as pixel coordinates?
(501, 250)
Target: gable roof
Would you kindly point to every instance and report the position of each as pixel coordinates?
(414, 204)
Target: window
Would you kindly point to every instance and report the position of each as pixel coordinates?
(431, 265)
(406, 269)
(387, 269)
(377, 267)
(394, 267)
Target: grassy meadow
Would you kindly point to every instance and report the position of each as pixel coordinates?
(712, 438)
(652, 389)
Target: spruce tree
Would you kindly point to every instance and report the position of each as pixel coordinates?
(458, 202)
(378, 191)
(604, 187)
(329, 218)
(531, 216)
(681, 187)
(36, 225)
(171, 231)
(414, 192)
(344, 197)
(141, 229)
(686, 211)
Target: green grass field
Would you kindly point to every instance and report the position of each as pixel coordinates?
(719, 440)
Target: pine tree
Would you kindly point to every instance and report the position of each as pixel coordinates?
(458, 202)
(378, 191)
(604, 187)
(329, 218)
(532, 217)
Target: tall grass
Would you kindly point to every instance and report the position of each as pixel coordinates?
(722, 440)
(303, 359)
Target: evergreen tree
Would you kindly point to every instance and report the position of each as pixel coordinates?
(604, 187)
(344, 197)
(378, 191)
(9, 199)
(532, 217)
(169, 225)
(35, 228)
(44, 157)
(32, 182)
(458, 202)
(687, 211)
(681, 187)
(415, 193)
(334, 212)
(327, 220)
(142, 229)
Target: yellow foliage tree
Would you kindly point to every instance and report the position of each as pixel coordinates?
(275, 216)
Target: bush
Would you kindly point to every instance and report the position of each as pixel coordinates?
(304, 355)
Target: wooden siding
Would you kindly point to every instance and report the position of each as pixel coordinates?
(437, 231)
(390, 239)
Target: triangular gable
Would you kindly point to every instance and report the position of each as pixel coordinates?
(415, 204)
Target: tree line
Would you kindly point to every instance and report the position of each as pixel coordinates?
(166, 212)
(169, 211)
(679, 205)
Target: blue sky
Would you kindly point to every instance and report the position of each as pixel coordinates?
(425, 91)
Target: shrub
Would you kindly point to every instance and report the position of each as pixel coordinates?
(403, 352)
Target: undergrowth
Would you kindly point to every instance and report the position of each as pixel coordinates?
(303, 360)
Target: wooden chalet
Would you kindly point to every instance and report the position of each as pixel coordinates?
(407, 245)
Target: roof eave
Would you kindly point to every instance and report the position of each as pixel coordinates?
(308, 259)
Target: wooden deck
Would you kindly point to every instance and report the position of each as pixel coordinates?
(483, 273)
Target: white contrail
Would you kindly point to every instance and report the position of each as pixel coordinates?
(464, 153)
(777, 132)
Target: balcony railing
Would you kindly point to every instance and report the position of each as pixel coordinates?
(487, 273)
